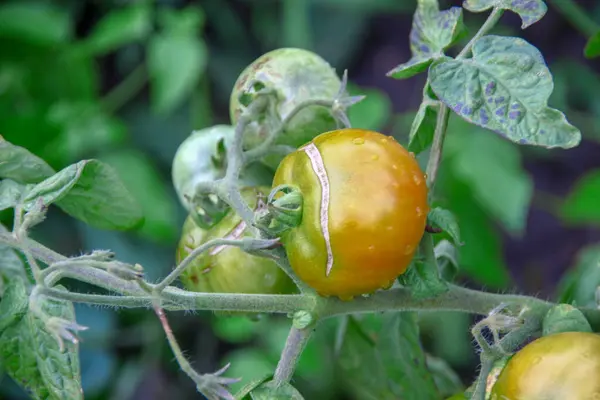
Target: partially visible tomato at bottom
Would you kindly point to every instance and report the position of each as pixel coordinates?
(563, 366)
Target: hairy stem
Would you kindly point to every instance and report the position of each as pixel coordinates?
(485, 368)
(262, 149)
(181, 360)
(294, 345)
(491, 21)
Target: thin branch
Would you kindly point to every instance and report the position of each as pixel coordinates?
(491, 21)
(295, 344)
(191, 257)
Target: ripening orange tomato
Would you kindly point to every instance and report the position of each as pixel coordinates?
(364, 211)
(563, 366)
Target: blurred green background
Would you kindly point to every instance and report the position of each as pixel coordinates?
(126, 81)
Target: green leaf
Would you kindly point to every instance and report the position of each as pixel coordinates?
(447, 259)
(381, 358)
(446, 380)
(244, 392)
(91, 192)
(272, 391)
(248, 363)
(530, 11)
(118, 28)
(564, 318)
(423, 277)
(432, 32)
(11, 193)
(492, 168)
(445, 220)
(18, 164)
(592, 48)
(481, 256)
(579, 285)
(505, 88)
(423, 127)
(31, 355)
(142, 178)
(371, 113)
(35, 22)
(581, 205)
(15, 300)
(86, 130)
(188, 20)
(176, 63)
(11, 266)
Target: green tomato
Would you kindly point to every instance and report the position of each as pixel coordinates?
(296, 76)
(201, 157)
(229, 269)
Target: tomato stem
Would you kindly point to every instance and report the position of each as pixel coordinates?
(435, 156)
(294, 345)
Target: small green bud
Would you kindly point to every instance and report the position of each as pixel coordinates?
(302, 319)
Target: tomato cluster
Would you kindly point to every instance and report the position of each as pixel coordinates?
(364, 197)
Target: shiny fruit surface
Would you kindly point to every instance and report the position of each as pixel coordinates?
(364, 211)
(563, 366)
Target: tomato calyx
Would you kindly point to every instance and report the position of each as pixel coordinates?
(342, 102)
(281, 213)
(208, 210)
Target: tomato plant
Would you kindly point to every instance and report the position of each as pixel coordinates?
(377, 287)
(295, 76)
(559, 366)
(364, 211)
(228, 269)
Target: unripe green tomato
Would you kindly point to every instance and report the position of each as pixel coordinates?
(296, 75)
(563, 366)
(198, 159)
(364, 211)
(228, 269)
(201, 157)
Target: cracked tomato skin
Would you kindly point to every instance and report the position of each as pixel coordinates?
(363, 214)
(563, 366)
(228, 269)
(296, 75)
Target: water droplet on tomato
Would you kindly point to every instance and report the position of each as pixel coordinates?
(372, 248)
(394, 166)
(412, 154)
(408, 249)
(417, 179)
(389, 228)
(419, 212)
(358, 140)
